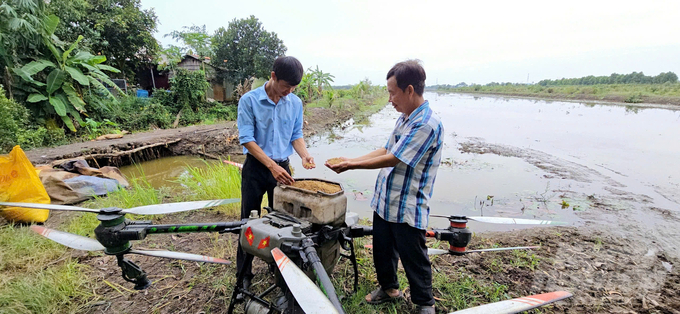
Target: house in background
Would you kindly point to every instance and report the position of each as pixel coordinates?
(219, 90)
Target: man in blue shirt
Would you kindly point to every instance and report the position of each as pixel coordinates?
(408, 166)
(269, 123)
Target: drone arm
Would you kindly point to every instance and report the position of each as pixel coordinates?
(322, 276)
(232, 226)
(360, 231)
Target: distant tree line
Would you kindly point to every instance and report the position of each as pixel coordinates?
(614, 78)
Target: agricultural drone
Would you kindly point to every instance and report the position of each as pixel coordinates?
(291, 238)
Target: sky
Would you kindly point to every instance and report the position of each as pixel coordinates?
(472, 41)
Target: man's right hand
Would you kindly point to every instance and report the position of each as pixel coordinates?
(281, 175)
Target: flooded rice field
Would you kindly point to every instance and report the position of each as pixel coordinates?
(597, 164)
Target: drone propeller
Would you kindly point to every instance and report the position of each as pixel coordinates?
(141, 210)
(87, 244)
(504, 220)
(307, 294)
(442, 252)
(517, 305)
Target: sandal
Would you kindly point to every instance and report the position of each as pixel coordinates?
(379, 296)
(425, 309)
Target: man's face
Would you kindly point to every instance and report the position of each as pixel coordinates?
(398, 97)
(282, 88)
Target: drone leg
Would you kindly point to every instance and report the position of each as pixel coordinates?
(239, 283)
(353, 258)
(132, 273)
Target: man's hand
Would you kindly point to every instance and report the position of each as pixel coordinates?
(308, 162)
(281, 175)
(339, 166)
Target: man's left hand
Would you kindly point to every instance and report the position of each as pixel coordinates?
(308, 162)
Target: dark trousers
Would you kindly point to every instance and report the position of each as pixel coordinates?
(391, 240)
(256, 179)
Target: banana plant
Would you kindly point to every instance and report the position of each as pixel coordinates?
(68, 74)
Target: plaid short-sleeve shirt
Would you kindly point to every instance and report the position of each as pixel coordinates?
(402, 192)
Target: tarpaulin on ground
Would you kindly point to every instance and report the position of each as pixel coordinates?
(75, 181)
(19, 182)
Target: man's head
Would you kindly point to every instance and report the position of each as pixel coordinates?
(286, 75)
(405, 83)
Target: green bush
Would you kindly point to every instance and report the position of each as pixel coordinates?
(223, 112)
(13, 118)
(188, 88)
(164, 97)
(149, 116)
(42, 137)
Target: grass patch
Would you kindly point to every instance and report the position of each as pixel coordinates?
(213, 181)
(38, 275)
(453, 289)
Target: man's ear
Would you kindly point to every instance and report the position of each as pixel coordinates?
(410, 90)
(274, 76)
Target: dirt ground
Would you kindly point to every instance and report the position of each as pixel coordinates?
(610, 268)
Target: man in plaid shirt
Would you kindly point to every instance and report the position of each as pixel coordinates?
(408, 163)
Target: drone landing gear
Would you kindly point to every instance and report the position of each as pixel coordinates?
(133, 273)
(257, 303)
(347, 244)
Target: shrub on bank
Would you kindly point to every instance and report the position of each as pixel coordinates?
(15, 128)
(13, 117)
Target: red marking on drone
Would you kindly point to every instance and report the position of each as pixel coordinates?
(41, 230)
(460, 225)
(456, 249)
(263, 243)
(529, 301)
(249, 236)
(280, 258)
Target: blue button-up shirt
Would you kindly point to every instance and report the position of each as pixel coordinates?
(402, 192)
(271, 126)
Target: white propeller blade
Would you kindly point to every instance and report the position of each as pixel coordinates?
(177, 207)
(517, 305)
(307, 294)
(516, 221)
(437, 252)
(506, 221)
(141, 210)
(182, 256)
(441, 252)
(69, 239)
(49, 206)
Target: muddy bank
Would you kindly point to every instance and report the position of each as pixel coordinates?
(605, 273)
(219, 139)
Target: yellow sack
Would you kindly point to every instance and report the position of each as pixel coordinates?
(19, 182)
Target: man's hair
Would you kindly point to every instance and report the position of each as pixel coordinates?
(288, 69)
(409, 73)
